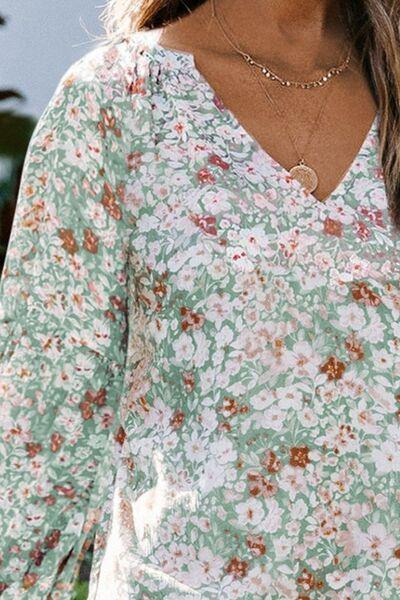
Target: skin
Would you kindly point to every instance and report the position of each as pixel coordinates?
(297, 40)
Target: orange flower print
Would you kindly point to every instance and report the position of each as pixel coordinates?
(110, 203)
(333, 367)
(177, 419)
(163, 315)
(271, 462)
(120, 191)
(232, 407)
(33, 449)
(299, 456)
(52, 539)
(191, 319)
(118, 303)
(362, 293)
(65, 490)
(120, 436)
(375, 216)
(160, 289)
(69, 243)
(32, 218)
(108, 122)
(29, 580)
(205, 222)
(260, 485)
(238, 568)
(56, 441)
(333, 227)
(137, 86)
(134, 160)
(354, 347)
(91, 241)
(86, 410)
(256, 545)
(98, 397)
(308, 581)
(188, 380)
(37, 555)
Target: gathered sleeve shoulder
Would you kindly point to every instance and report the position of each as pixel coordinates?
(63, 318)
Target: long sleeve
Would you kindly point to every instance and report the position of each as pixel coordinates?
(63, 331)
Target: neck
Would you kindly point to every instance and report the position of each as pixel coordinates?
(289, 15)
(306, 33)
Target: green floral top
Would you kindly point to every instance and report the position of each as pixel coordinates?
(199, 362)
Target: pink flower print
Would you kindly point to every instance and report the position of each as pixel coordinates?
(350, 539)
(250, 513)
(361, 580)
(377, 542)
(206, 568)
(240, 258)
(218, 102)
(386, 457)
(273, 519)
(362, 231)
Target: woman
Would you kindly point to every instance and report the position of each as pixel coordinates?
(200, 340)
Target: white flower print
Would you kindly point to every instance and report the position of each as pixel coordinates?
(199, 362)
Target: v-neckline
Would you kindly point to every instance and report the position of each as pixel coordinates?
(234, 123)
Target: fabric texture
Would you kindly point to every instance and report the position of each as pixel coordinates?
(199, 362)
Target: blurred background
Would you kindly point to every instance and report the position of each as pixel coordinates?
(38, 42)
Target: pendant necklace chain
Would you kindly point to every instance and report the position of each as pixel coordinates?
(302, 172)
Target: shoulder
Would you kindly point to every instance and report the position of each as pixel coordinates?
(113, 67)
(106, 101)
(109, 83)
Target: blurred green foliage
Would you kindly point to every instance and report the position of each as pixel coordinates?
(15, 133)
(81, 590)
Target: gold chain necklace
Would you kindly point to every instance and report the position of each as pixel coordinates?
(272, 76)
(302, 172)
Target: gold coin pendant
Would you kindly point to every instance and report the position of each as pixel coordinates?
(306, 176)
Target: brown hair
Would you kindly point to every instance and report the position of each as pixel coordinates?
(376, 33)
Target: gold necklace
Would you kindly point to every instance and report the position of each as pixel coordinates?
(302, 172)
(273, 76)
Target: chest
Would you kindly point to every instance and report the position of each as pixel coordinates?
(326, 126)
(219, 222)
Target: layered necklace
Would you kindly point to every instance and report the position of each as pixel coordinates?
(302, 171)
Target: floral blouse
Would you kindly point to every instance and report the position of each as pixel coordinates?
(199, 361)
